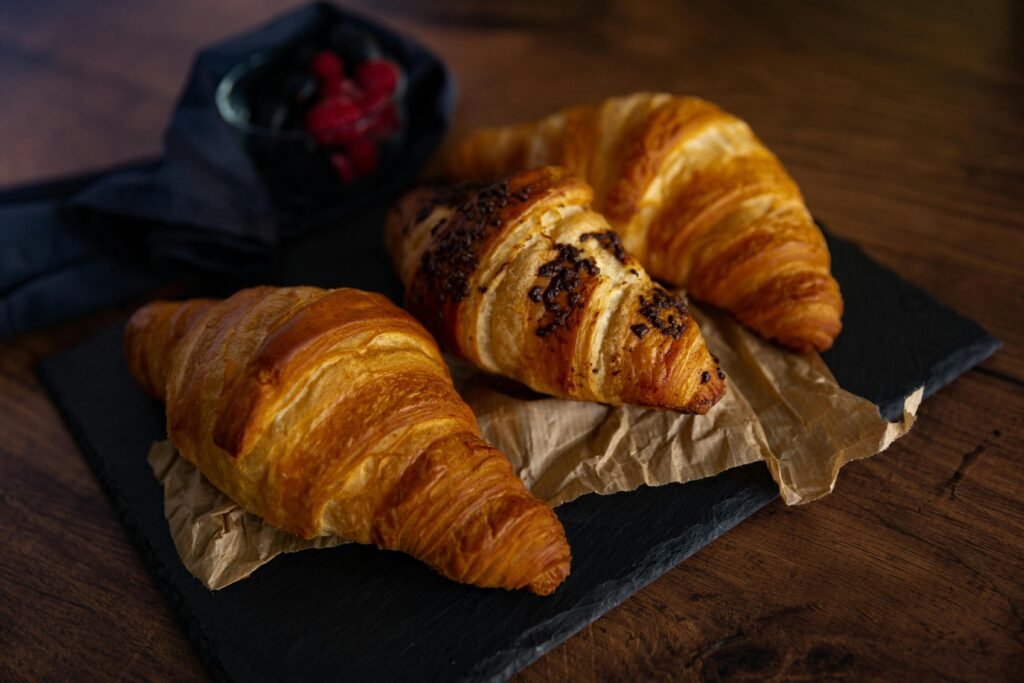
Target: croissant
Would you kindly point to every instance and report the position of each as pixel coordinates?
(523, 279)
(332, 412)
(695, 195)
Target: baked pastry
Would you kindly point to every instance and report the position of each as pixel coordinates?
(332, 412)
(696, 197)
(523, 279)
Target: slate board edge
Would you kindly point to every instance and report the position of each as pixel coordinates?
(944, 373)
(961, 362)
(501, 667)
(192, 625)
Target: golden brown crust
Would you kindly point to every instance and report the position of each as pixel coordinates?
(523, 279)
(685, 183)
(332, 412)
(150, 330)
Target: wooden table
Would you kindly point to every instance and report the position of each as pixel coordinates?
(904, 125)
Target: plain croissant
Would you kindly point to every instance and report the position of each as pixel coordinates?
(695, 195)
(523, 279)
(332, 412)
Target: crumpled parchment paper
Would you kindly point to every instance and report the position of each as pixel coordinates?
(783, 408)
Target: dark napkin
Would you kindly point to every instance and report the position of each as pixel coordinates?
(48, 273)
(203, 207)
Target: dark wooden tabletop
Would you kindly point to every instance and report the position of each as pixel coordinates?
(903, 122)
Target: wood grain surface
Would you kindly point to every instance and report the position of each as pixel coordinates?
(904, 125)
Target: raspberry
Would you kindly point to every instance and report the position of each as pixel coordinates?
(382, 125)
(327, 65)
(364, 156)
(332, 120)
(343, 167)
(330, 87)
(371, 102)
(378, 75)
(343, 87)
(351, 89)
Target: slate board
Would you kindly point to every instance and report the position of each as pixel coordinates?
(356, 613)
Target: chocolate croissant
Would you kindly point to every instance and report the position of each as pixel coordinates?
(695, 195)
(523, 279)
(332, 412)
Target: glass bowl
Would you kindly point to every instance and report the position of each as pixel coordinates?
(298, 171)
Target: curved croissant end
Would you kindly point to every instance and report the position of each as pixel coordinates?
(523, 279)
(695, 195)
(332, 412)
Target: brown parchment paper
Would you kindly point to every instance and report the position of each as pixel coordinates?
(783, 408)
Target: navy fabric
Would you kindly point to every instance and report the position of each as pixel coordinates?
(48, 273)
(203, 207)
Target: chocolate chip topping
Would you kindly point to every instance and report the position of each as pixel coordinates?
(562, 296)
(609, 241)
(640, 330)
(718, 370)
(705, 377)
(665, 312)
(450, 260)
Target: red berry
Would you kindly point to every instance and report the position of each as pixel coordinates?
(373, 101)
(333, 120)
(383, 124)
(327, 65)
(351, 88)
(364, 156)
(378, 75)
(331, 87)
(343, 167)
(342, 86)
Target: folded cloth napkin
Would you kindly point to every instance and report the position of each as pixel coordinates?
(48, 274)
(204, 206)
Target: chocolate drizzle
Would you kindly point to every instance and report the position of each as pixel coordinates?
(664, 312)
(562, 295)
(450, 260)
(609, 241)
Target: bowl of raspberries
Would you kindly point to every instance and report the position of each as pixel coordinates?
(321, 118)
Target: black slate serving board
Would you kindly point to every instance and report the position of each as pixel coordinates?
(356, 613)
